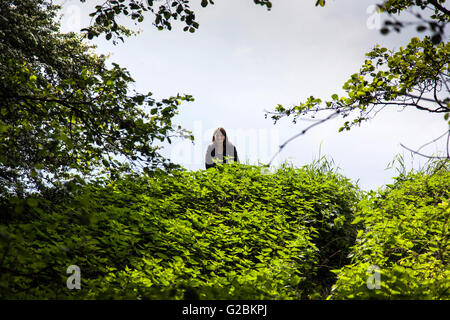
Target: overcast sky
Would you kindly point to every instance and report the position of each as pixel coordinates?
(244, 60)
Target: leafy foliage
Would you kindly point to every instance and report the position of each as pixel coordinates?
(405, 232)
(404, 78)
(227, 232)
(440, 15)
(413, 77)
(231, 232)
(64, 112)
(164, 12)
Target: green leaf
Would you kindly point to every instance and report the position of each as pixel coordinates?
(32, 202)
(384, 31)
(421, 28)
(436, 38)
(320, 3)
(3, 127)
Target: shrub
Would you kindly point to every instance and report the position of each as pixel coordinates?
(404, 232)
(230, 232)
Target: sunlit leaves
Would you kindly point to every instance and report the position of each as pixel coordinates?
(214, 234)
(320, 3)
(232, 233)
(404, 231)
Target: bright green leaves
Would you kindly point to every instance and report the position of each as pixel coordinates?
(404, 231)
(320, 3)
(283, 236)
(216, 232)
(413, 77)
(3, 127)
(400, 78)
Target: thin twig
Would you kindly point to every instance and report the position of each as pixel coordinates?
(421, 154)
(426, 144)
(448, 140)
(301, 133)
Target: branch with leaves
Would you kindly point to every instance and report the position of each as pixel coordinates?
(164, 12)
(414, 77)
(63, 111)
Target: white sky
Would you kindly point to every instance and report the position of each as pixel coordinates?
(244, 60)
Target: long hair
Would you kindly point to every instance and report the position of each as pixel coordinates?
(223, 132)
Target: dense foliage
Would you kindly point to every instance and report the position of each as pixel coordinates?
(64, 112)
(228, 232)
(232, 232)
(404, 231)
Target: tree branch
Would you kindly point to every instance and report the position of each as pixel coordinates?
(423, 155)
(428, 143)
(439, 7)
(301, 133)
(420, 98)
(448, 140)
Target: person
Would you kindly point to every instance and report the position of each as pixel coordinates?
(219, 147)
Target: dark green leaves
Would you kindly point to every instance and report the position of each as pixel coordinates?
(436, 38)
(411, 77)
(64, 112)
(384, 31)
(421, 28)
(164, 14)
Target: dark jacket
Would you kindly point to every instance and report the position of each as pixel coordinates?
(228, 149)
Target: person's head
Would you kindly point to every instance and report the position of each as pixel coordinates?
(219, 135)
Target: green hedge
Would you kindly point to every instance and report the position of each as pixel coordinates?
(404, 232)
(231, 232)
